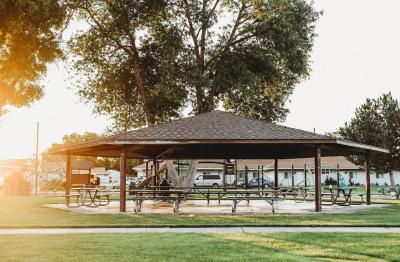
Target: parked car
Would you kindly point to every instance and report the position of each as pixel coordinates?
(254, 182)
(209, 180)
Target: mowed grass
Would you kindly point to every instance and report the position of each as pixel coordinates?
(30, 212)
(201, 247)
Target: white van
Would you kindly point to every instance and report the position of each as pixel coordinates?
(209, 180)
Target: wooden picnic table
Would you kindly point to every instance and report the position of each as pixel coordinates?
(336, 191)
(140, 195)
(90, 192)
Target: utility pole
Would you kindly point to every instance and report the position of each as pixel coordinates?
(37, 159)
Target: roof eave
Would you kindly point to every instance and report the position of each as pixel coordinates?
(362, 146)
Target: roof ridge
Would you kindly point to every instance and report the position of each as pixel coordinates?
(265, 122)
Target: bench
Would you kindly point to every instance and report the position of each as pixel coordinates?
(138, 200)
(237, 199)
(77, 198)
(103, 196)
(75, 192)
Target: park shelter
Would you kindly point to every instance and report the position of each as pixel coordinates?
(220, 135)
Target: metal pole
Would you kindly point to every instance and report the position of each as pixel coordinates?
(258, 177)
(317, 179)
(37, 159)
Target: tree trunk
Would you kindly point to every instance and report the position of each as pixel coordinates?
(139, 77)
(179, 180)
(392, 182)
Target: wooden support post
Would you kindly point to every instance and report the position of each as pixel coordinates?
(276, 172)
(236, 174)
(122, 182)
(368, 177)
(317, 179)
(262, 176)
(337, 175)
(305, 175)
(147, 169)
(224, 175)
(292, 175)
(68, 178)
(246, 177)
(155, 172)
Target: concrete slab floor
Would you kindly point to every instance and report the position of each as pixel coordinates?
(225, 207)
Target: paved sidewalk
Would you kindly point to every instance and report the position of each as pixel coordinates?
(201, 230)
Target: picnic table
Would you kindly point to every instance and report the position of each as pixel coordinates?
(140, 195)
(88, 195)
(335, 192)
(268, 195)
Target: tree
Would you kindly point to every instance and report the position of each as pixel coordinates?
(129, 58)
(377, 122)
(142, 61)
(252, 60)
(29, 40)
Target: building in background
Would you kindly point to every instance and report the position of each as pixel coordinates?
(302, 169)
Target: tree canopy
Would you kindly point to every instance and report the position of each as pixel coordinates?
(377, 122)
(129, 58)
(29, 32)
(145, 61)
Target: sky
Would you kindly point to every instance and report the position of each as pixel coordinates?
(355, 56)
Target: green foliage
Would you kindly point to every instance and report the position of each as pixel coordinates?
(121, 34)
(253, 62)
(377, 122)
(246, 55)
(28, 42)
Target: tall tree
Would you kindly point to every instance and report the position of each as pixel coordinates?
(142, 61)
(29, 34)
(129, 58)
(247, 54)
(377, 122)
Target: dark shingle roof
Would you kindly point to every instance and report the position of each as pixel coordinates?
(217, 125)
(216, 135)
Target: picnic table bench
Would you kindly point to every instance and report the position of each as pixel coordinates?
(347, 193)
(269, 196)
(88, 196)
(140, 195)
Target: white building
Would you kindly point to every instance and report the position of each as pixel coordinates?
(301, 167)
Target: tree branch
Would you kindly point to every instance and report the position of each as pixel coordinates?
(191, 29)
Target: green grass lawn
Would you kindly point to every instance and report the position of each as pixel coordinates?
(201, 247)
(29, 212)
